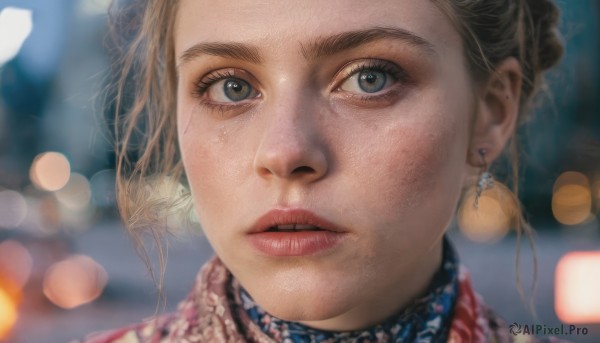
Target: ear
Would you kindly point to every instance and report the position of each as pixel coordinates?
(497, 111)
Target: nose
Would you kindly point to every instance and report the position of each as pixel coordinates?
(291, 145)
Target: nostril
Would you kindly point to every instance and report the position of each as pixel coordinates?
(303, 169)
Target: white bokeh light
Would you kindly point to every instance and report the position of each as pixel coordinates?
(13, 209)
(94, 7)
(15, 27)
(75, 195)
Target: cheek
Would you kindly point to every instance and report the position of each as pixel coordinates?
(413, 168)
(198, 160)
(209, 174)
(423, 158)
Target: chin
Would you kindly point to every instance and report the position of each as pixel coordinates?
(305, 301)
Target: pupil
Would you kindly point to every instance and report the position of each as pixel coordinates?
(371, 78)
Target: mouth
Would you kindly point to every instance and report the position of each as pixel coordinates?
(294, 228)
(292, 220)
(294, 233)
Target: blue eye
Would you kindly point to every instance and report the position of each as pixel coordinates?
(368, 80)
(225, 88)
(236, 89)
(371, 81)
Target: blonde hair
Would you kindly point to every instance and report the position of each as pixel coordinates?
(490, 35)
(143, 95)
(145, 92)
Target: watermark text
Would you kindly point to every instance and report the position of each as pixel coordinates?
(539, 329)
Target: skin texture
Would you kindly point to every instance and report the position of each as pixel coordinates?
(390, 169)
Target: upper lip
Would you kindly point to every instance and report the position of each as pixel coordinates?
(292, 216)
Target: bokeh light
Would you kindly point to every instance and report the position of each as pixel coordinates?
(94, 7)
(13, 209)
(50, 171)
(76, 194)
(577, 281)
(572, 198)
(103, 188)
(596, 194)
(15, 27)
(15, 263)
(43, 215)
(8, 313)
(175, 203)
(74, 281)
(493, 217)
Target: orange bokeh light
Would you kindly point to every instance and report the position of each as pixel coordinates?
(577, 281)
(74, 281)
(8, 313)
(596, 194)
(572, 198)
(493, 217)
(570, 178)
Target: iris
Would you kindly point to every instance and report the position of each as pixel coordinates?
(237, 89)
(371, 81)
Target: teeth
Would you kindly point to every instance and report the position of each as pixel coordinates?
(288, 227)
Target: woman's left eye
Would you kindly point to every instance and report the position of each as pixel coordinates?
(368, 80)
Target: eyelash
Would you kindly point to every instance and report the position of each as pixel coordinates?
(397, 74)
(380, 66)
(202, 85)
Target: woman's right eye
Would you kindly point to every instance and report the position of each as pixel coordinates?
(231, 90)
(225, 88)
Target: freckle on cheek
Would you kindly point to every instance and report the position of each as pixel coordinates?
(419, 169)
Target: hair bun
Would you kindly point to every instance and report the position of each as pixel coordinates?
(544, 16)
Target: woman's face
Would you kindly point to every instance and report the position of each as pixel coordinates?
(355, 111)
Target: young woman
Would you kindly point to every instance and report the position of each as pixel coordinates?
(325, 146)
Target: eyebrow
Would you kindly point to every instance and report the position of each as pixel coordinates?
(238, 51)
(320, 47)
(352, 39)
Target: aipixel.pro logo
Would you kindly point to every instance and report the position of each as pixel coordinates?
(539, 329)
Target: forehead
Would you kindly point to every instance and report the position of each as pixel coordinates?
(280, 26)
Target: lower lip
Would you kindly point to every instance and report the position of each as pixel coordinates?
(295, 243)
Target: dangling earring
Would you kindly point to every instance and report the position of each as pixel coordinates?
(486, 181)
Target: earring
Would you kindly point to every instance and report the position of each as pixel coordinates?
(486, 181)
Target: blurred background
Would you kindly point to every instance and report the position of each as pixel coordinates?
(67, 267)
